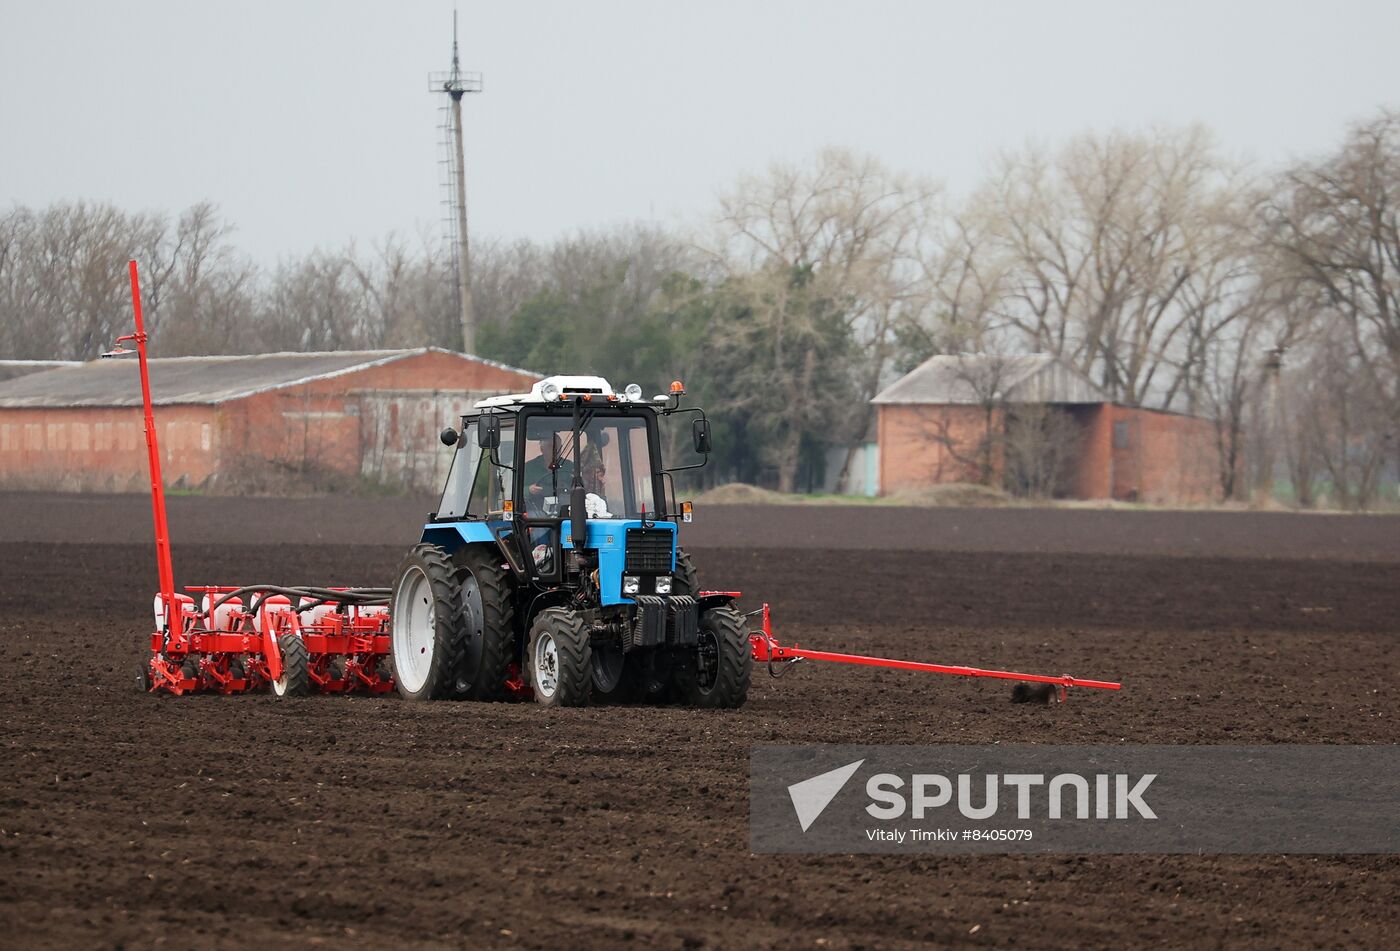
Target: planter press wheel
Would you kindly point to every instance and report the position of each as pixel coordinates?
(296, 667)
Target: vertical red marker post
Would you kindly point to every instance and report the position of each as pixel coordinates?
(167, 574)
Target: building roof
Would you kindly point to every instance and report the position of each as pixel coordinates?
(9, 369)
(975, 378)
(195, 380)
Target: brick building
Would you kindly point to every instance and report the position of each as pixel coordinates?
(955, 418)
(229, 419)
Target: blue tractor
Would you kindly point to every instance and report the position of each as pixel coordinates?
(551, 568)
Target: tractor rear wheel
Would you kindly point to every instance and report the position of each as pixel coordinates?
(559, 659)
(486, 619)
(296, 667)
(717, 676)
(426, 642)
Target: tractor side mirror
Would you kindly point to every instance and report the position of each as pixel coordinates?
(700, 430)
(488, 432)
(448, 436)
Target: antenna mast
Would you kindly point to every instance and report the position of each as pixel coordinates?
(456, 84)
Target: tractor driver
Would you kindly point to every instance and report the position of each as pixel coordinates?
(539, 480)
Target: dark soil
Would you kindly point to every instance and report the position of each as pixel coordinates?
(229, 821)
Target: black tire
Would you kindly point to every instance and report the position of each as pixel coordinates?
(659, 679)
(143, 674)
(425, 637)
(718, 675)
(189, 670)
(609, 669)
(486, 617)
(687, 580)
(296, 667)
(559, 658)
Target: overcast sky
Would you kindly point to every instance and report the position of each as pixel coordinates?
(310, 123)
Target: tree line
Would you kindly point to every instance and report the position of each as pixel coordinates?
(1174, 277)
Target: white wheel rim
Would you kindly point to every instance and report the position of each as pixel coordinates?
(546, 665)
(415, 623)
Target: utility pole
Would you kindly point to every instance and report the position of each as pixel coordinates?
(456, 84)
(1269, 426)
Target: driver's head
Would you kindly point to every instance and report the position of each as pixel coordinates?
(544, 443)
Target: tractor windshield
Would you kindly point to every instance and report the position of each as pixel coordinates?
(613, 459)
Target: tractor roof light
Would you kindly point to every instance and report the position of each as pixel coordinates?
(633, 392)
(677, 388)
(549, 391)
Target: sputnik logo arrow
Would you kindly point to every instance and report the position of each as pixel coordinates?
(811, 796)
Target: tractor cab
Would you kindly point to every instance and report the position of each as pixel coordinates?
(557, 528)
(571, 467)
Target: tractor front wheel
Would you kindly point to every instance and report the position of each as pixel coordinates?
(614, 675)
(559, 659)
(717, 676)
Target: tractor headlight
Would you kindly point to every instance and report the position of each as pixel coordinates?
(633, 392)
(549, 392)
(631, 584)
(663, 584)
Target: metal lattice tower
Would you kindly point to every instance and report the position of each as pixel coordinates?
(456, 83)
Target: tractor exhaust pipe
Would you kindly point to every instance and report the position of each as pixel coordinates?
(578, 496)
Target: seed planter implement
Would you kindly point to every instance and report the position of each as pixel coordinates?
(296, 640)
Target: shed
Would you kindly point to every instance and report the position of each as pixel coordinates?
(297, 418)
(1032, 422)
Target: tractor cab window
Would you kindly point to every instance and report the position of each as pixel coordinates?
(475, 488)
(465, 463)
(613, 459)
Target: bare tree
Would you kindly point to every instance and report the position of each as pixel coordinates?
(1041, 442)
(1116, 250)
(1345, 427)
(1338, 223)
(982, 382)
(855, 233)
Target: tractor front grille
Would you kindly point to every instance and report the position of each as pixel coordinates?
(648, 550)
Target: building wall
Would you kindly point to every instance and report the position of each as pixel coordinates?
(1091, 476)
(380, 423)
(862, 469)
(915, 448)
(105, 448)
(1161, 457)
(1124, 453)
